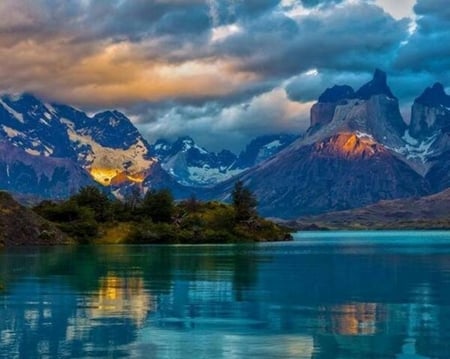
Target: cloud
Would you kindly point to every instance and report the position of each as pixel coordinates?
(399, 8)
(350, 36)
(309, 85)
(235, 125)
(234, 68)
(428, 47)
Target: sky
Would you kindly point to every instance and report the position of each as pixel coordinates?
(221, 71)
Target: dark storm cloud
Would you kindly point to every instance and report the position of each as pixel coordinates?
(428, 48)
(236, 68)
(308, 87)
(434, 15)
(355, 37)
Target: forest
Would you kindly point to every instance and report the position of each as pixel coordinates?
(92, 216)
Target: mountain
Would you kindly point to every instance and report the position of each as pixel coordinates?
(192, 165)
(39, 176)
(51, 150)
(262, 148)
(430, 129)
(357, 151)
(412, 213)
(430, 112)
(21, 226)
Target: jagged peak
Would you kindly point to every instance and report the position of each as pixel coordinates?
(111, 113)
(22, 101)
(377, 86)
(185, 139)
(336, 94)
(434, 96)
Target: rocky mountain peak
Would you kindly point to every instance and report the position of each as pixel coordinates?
(323, 111)
(337, 93)
(434, 96)
(377, 86)
(430, 115)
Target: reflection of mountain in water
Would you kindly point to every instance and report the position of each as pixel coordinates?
(340, 301)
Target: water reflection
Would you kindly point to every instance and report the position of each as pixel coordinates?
(121, 298)
(296, 300)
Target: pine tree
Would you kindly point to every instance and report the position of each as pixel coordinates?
(244, 202)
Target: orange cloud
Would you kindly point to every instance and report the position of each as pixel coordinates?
(113, 74)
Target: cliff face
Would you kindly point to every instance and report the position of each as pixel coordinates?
(354, 154)
(339, 172)
(430, 112)
(21, 226)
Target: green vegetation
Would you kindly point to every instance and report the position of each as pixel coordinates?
(92, 217)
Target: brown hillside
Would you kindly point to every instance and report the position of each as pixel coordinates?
(21, 226)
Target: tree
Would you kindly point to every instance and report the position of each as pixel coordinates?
(244, 202)
(192, 204)
(91, 197)
(133, 198)
(158, 205)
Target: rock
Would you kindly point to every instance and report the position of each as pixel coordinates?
(430, 112)
(378, 86)
(21, 226)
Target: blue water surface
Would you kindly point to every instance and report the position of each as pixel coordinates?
(325, 295)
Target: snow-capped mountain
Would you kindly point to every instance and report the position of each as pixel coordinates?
(193, 165)
(357, 151)
(105, 147)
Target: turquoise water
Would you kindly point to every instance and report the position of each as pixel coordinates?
(326, 295)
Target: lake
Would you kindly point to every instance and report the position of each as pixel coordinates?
(325, 295)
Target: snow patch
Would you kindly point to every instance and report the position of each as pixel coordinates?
(102, 161)
(160, 146)
(114, 122)
(409, 139)
(415, 150)
(273, 144)
(207, 176)
(48, 151)
(18, 116)
(44, 122)
(11, 132)
(201, 150)
(360, 135)
(32, 152)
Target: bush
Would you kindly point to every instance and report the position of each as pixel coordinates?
(152, 233)
(158, 205)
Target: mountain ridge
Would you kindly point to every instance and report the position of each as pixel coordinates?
(303, 179)
(358, 150)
